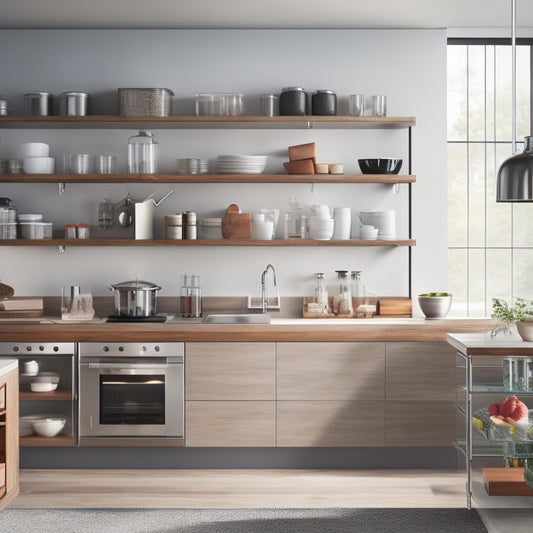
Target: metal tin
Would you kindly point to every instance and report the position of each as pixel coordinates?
(269, 104)
(190, 221)
(293, 101)
(324, 102)
(4, 107)
(144, 102)
(74, 104)
(38, 104)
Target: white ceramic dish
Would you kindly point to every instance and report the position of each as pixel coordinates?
(33, 149)
(48, 427)
(38, 165)
(42, 387)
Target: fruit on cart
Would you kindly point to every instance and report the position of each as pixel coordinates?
(510, 411)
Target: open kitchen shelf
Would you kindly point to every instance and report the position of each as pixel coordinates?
(201, 242)
(207, 122)
(206, 178)
(56, 395)
(34, 440)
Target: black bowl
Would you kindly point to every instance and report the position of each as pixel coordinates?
(383, 165)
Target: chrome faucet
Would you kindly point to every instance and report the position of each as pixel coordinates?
(264, 286)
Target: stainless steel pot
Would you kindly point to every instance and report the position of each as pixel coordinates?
(135, 298)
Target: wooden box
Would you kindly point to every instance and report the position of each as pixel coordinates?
(506, 482)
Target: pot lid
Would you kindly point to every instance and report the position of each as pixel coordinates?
(136, 285)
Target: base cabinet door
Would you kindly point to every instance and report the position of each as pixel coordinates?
(230, 423)
(331, 423)
(421, 394)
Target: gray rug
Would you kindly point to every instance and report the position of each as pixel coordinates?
(240, 521)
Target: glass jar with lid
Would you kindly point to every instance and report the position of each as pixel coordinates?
(142, 153)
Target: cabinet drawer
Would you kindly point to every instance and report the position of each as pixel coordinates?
(415, 424)
(331, 423)
(420, 371)
(331, 371)
(230, 371)
(230, 423)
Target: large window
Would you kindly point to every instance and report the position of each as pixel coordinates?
(490, 245)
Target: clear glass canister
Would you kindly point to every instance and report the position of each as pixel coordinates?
(142, 153)
(210, 228)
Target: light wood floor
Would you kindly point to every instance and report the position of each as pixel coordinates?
(240, 488)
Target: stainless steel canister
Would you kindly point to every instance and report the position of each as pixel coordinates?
(190, 222)
(74, 104)
(4, 107)
(38, 104)
(324, 102)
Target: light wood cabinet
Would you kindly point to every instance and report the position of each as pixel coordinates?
(330, 423)
(420, 385)
(230, 394)
(331, 371)
(230, 371)
(230, 423)
(9, 435)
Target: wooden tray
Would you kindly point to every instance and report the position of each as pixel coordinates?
(506, 482)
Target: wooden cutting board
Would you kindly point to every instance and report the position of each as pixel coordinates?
(506, 482)
(236, 225)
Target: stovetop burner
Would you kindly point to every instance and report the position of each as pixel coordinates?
(153, 318)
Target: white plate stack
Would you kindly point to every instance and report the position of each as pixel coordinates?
(241, 164)
(321, 225)
(368, 233)
(343, 223)
(385, 221)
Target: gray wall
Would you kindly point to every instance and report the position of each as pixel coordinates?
(408, 66)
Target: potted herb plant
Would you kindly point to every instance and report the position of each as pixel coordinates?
(521, 314)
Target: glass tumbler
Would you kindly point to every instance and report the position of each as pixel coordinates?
(379, 105)
(105, 164)
(357, 105)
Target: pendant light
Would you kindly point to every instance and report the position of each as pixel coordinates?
(515, 177)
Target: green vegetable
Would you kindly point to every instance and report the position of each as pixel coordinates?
(509, 314)
(434, 294)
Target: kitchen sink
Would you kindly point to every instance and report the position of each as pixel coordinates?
(237, 318)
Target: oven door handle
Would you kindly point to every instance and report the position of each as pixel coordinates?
(123, 366)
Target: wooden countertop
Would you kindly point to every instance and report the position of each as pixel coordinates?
(484, 344)
(279, 330)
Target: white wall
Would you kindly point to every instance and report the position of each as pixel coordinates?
(408, 66)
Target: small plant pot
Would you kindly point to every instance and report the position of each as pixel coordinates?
(435, 307)
(525, 330)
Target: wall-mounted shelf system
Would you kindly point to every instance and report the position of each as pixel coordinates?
(206, 122)
(206, 178)
(201, 242)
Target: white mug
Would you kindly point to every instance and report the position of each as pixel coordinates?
(31, 367)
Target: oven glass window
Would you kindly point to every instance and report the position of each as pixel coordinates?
(132, 399)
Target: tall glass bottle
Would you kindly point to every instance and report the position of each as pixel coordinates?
(358, 289)
(345, 294)
(196, 297)
(321, 294)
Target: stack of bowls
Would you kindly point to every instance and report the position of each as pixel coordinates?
(35, 158)
(368, 233)
(262, 228)
(241, 164)
(385, 221)
(321, 225)
(343, 223)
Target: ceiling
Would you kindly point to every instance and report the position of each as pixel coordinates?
(331, 14)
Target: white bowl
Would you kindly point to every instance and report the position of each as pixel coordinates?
(49, 427)
(34, 150)
(38, 165)
(30, 218)
(42, 387)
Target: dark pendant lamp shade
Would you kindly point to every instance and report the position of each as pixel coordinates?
(515, 177)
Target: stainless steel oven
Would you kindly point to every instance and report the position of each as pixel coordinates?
(131, 390)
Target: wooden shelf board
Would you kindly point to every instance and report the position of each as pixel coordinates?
(35, 440)
(206, 122)
(207, 178)
(56, 395)
(200, 242)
